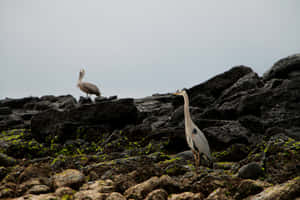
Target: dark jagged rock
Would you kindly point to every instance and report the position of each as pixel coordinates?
(216, 85)
(63, 124)
(17, 103)
(65, 102)
(5, 110)
(50, 98)
(41, 105)
(102, 99)
(48, 102)
(288, 67)
(228, 134)
(85, 100)
(245, 83)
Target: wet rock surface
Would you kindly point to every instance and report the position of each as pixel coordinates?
(109, 148)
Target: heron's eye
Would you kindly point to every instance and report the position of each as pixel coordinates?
(194, 131)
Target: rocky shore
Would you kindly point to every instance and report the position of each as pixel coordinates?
(60, 148)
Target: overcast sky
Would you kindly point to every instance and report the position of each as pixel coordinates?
(135, 48)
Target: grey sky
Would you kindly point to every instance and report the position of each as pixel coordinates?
(135, 48)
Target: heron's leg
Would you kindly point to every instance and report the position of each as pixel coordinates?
(199, 158)
(196, 159)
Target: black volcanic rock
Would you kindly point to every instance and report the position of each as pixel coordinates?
(17, 103)
(63, 124)
(85, 100)
(288, 67)
(5, 110)
(221, 137)
(216, 85)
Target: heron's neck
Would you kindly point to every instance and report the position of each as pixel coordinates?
(187, 116)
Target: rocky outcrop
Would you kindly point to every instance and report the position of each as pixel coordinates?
(58, 148)
(288, 67)
(66, 124)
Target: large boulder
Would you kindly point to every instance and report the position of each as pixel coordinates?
(251, 171)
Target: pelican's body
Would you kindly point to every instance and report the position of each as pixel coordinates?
(194, 136)
(86, 87)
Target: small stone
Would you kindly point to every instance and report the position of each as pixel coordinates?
(102, 186)
(28, 184)
(187, 196)
(140, 191)
(158, 194)
(38, 189)
(49, 196)
(64, 191)
(251, 170)
(116, 196)
(219, 194)
(70, 177)
(90, 195)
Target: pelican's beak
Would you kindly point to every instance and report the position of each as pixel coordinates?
(176, 93)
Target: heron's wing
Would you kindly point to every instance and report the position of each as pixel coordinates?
(200, 141)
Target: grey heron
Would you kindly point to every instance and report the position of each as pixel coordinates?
(86, 87)
(194, 136)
